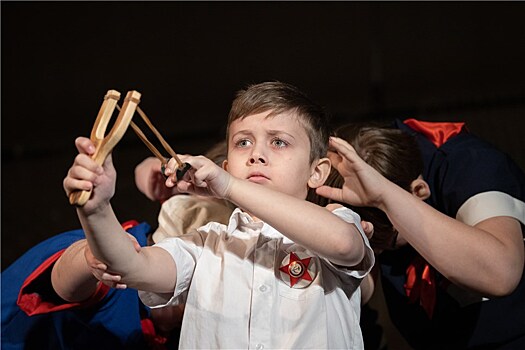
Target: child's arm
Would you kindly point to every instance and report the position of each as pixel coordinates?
(76, 274)
(99, 269)
(152, 268)
(71, 277)
(487, 258)
(303, 222)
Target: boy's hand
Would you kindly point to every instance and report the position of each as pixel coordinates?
(204, 178)
(86, 175)
(150, 180)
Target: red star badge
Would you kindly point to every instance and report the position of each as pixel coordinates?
(297, 271)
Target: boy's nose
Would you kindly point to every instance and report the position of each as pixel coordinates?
(257, 158)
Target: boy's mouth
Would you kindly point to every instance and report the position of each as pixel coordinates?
(257, 177)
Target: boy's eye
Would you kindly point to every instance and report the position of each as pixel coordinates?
(279, 143)
(243, 143)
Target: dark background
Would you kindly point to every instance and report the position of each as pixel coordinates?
(436, 61)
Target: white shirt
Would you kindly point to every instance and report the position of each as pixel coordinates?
(238, 299)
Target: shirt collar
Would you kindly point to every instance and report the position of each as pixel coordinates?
(240, 219)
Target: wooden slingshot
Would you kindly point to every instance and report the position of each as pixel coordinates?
(105, 144)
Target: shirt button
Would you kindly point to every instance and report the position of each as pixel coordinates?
(263, 289)
(259, 347)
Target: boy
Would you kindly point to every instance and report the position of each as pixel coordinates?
(284, 273)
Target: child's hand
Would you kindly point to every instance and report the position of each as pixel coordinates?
(204, 178)
(363, 185)
(368, 228)
(150, 180)
(86, 175)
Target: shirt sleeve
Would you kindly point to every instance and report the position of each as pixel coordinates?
(366, 265)
(488, 205)
(185, 251)
(465, 168)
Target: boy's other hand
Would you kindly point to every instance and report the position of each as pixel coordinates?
(204, 178)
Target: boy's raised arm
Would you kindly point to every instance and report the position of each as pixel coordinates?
(150, 269)
(303, 222)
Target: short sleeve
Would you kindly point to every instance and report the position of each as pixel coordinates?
(466, 167)
(185, 251)
(369, 259)
(488, 205)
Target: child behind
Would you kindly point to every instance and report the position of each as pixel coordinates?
(284, 273)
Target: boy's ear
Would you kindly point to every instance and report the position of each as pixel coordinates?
(225, 164)
(320, 173)
(420, 188)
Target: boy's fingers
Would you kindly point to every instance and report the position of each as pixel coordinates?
(171, 167)
(170, 182)
(85, 145)
(85, 161)
(199, 175)
(82, 175)
(184, 186)
(71, 185)
(80, 179)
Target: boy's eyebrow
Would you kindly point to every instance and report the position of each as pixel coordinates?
(242, 132)
(278, 132)
(270, 132)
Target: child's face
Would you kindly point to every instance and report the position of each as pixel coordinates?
(273, 152)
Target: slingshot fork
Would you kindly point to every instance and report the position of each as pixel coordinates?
(105, 144)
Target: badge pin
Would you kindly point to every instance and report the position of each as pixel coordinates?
(298, 270)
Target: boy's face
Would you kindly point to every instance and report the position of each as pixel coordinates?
(271, 151)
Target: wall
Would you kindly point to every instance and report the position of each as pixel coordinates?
(362, 60)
